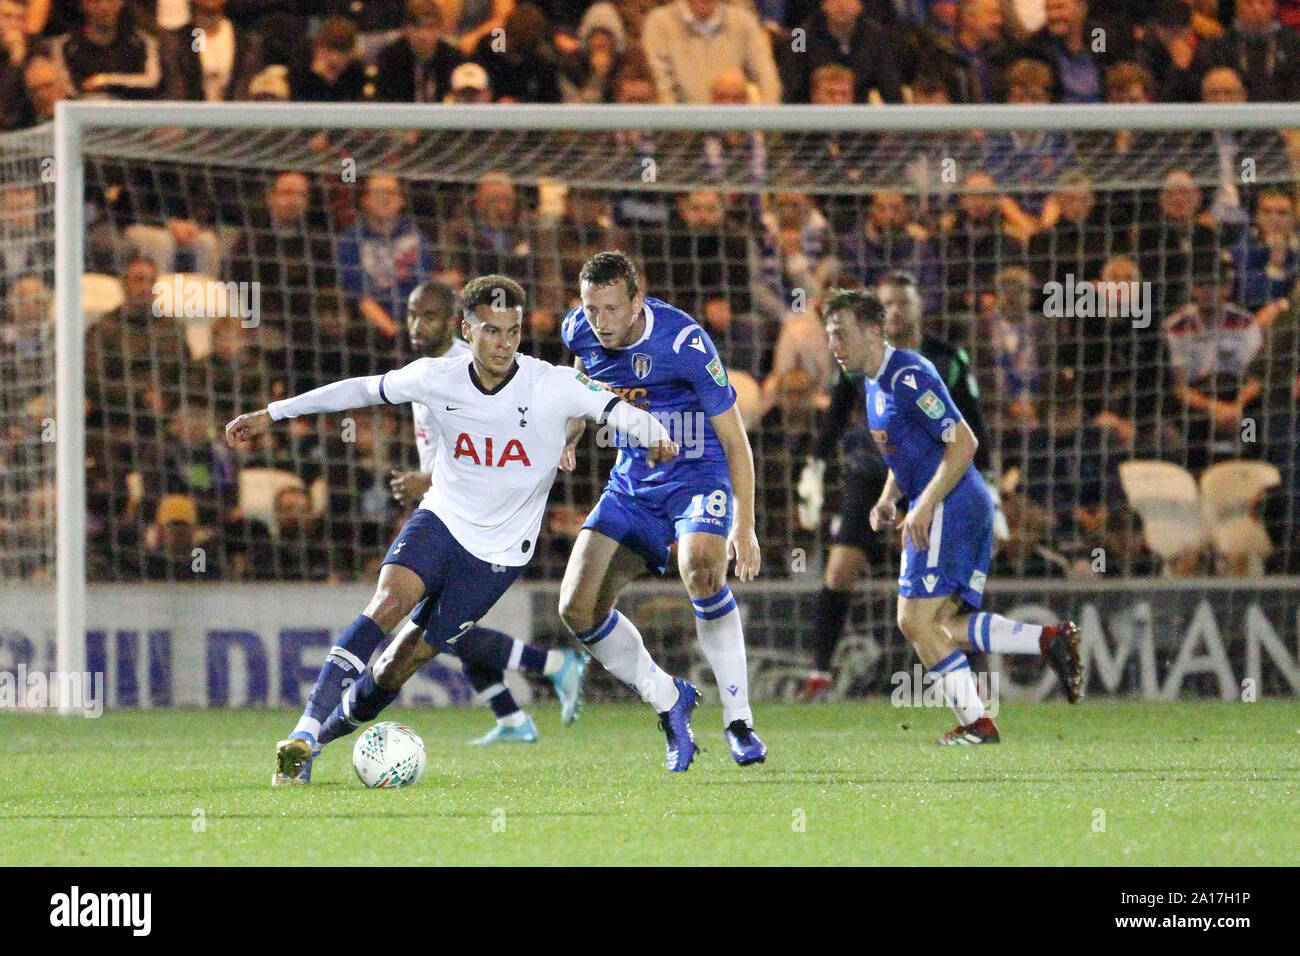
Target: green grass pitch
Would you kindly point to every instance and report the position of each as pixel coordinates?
(1190, 783)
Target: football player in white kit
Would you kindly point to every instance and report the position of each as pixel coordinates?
(432, 320)
(501, 422)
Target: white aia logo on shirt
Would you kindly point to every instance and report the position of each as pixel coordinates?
(513, 451)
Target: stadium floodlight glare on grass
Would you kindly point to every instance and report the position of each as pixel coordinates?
(124, 130)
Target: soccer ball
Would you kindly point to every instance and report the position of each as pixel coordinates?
(388, 755)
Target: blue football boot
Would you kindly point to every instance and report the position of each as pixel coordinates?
(744, 743)
(675, 722)
(569, 681)
(525, 733)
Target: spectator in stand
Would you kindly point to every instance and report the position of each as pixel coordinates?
(495, 236)
(1166, 45)
(282, 25)
(195, 461)
(1167, 245)
(971, 64)
(1068, 44)
(688, 42)
(171, 543)
(378, 21)
(181, 237)
(335, 72)
(209, 58)
(298, 550)
(285, 248)
(469, 85)
(586, 228)
(833, 85)
(1215, 376)
(1078, 242)
(588, 74)
(1267, 257)
(1126, 82)
(360, 509)
(736, 155)
(108, 56)
(841, 32)
(891, 239)
(797, 249)
(26, 234)
(1022, 344)
(1022, 159)
(132, 356)
(802, 368)
(635, 153)
(472, 20)
(702, 265)
(26, 334)
(417, 66)
(525, 69)
(237, 372)
(1262, 51)
(383, 257)
(14, 110)
(44, 85)
(977, 240)
(1262, 151)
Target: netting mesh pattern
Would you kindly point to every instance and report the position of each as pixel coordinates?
(27, 425)
(743, 230)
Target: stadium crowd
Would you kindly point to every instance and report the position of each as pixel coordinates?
(1212, 374)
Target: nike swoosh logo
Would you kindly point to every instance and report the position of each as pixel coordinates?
(453, 408)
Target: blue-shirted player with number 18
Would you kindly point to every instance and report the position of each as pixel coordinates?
(948, 529)
(657, 358)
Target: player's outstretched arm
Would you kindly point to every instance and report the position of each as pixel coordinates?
(642, 428)
(742, 542)
(398, 387)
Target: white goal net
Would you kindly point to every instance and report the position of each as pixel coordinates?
(1120, 280)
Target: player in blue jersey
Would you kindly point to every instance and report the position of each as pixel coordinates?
(657, 358)
(948, 529)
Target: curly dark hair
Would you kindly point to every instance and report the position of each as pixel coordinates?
(499, 292)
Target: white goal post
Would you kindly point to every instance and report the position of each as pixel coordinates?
(73, 121)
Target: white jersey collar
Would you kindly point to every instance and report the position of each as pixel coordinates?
(649, 326)
(889, 351)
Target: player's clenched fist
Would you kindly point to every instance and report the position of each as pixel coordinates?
(408, 487)
(248, 426)
(883, 516)
(661, 451)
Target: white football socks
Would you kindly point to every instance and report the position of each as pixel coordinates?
(554, 661)
(959, 688)
(995, 634)
(717, 625)
(622, 652)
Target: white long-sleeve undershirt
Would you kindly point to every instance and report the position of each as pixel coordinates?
(641, 427)
(334, 397)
